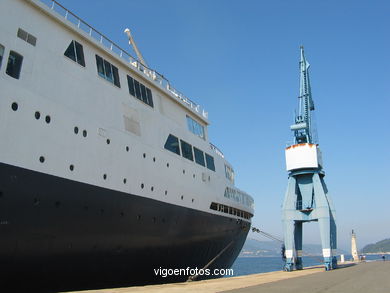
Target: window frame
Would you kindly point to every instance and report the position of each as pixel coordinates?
(140, 91)
(203, 162)
(184, 152)
(2, 50)
(195, 127)
(78, 53)
(16, 76)
(209, 165)
(108, 71)
(27, 37)
(166, 146)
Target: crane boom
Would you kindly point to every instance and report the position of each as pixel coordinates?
(134, 45)
(303, 132)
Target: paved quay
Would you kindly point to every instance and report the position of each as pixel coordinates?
(214, 285)
(370, 277)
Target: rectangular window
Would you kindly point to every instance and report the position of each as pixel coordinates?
(229, 173)
(75, 52)
(199, 157)
(149, 97)
(107, 71)
(210, 162)
(14, 65)
(137, 90)
(25, 36)
(195, 127)
(172, 144)
(130, 82)
(140, 91)
(1, 54)
(186, 150)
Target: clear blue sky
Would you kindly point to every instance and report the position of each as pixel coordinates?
(239, 59)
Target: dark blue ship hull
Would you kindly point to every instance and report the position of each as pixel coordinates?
(61, 234)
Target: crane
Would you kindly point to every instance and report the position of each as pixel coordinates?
(134, 45)
(307, 197)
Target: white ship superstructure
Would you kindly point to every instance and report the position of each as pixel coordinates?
(102, 159)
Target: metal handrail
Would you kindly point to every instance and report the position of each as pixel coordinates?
(216, 150)
(123, 54)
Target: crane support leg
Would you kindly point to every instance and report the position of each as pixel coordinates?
(307, 200)
(298, 245)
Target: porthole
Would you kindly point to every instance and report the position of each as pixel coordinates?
(167, 165)
(152, 188)
(166, 192)
(124, 180)
(47, 119)
(193, 176)
(41, 159)
(142, 185)
(76, 130)
(184, 171)
(127, 148)
(36, 201)
(122, 214)
(108, 141)
(37, 115)
(192, 200)
(14, 106)
(144, 155)
(104, 176)
(154, 219)
(154, 159)
(139, 217)
(85, 133)
(71, 167)
(182, 197)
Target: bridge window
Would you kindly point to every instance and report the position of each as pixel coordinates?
(107, 71)
(14, 65)
(140, 91)
(229, 173)
(199, 157)
(1, 54)
(195, 127)
(186, 150)
(210, 162)
(75, 52)
(172, 144)
(25, 36)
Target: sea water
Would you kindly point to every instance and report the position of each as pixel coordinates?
(254, 265)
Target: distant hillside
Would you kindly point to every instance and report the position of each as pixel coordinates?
(254, 247)
(379, 247)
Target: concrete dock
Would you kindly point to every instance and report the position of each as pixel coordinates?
(369, 277)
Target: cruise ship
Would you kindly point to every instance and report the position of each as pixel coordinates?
(106, 170)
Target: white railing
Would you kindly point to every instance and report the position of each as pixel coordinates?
(216, 150)
(106, 42)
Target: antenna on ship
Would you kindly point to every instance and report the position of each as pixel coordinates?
(306, 197)
(134, 45)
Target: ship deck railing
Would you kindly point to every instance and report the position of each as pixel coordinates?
(217, 150)
(123, 54)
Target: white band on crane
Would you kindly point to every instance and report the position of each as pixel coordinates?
(289, 253)
(326, 252)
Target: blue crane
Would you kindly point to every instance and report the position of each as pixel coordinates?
(307, 196)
